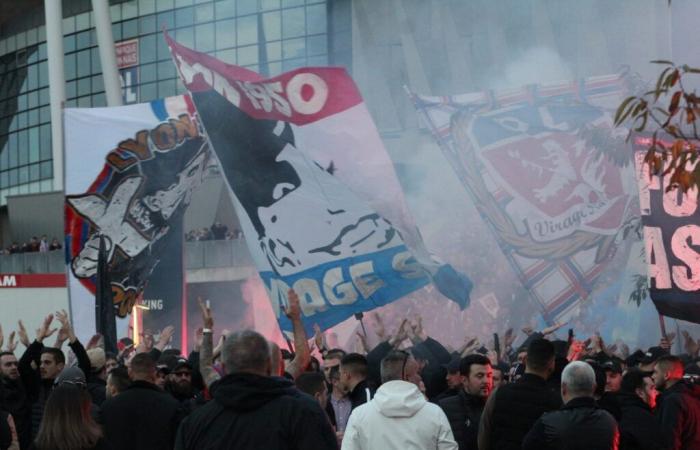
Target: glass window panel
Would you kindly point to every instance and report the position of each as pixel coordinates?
(83, 60)
(115, 13)
(44, 96)
(44, 114)
(45, 141)
(4, 156)
(117, 32)
(166, 88)
(4, 179)
(71, 89)
(228, 56)
(247, 7)
(22, 120)
(291, 64)
(33, 76)
(225, 9)
(82, 21)
(13, 150)
(316, 45)
(99, 100)
(98, 83)
(316, 19)
(69, 64)
(23, 147)
(34, 172)
(226, 33)
(13, 177)
(184, 17)
(93, 37)
(33, 145)
(204, 13)
(162, 48)
(33, 117)
(44, 72)
(147, 24)
(274, 51)
(248, 55)
(163, 5)
(32, 36)
(130, 9)
(148, 92)
(71, 103)
(69, 43)
(33, 56)
(166, 18)
(42, 51)
(69, 25)
(21, 40)
(130, 28)
(147, 6)
(147, 73)
(292, 22)
(288, 3)
(247, 30)
(84, 102)
(293, 48)
(204, 37)
(23, 175)
(147, 49)
(84, 86)
(166, 69)
(272, 26)
(46, 170)
(22, 102)
(95, 63)
(82, 40)
(33, 99)
(185, 36)
(182, 3)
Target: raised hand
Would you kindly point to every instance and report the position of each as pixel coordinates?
(198, 338)
(65, 331)
(553, 328)
(528, 330)
(22, 332)
(43, 331)
(379, 328)
(508, 338)
(207, 318)
(691, 345)
(166, 334)
(293, 309)
(401, 334)
(11, 344)
(319, 338)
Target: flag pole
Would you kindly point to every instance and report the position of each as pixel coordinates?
(662, 325)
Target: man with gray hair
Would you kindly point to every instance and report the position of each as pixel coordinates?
(399, 416)
(253, 410)
(579, 424)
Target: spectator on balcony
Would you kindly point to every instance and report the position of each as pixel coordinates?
(44, 244)
(55, 245)
(204, 235)
(218, 231)
(15, 248)
(31, 246)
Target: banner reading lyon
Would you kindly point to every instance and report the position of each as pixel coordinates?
(305, 164)
(130, 172)
(672, 240)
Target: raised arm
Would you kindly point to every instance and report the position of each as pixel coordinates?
(302, 353)
(73, 342)
(206, 357)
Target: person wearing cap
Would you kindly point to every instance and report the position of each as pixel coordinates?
(648, 360)
(464, 410)
(453, 379)
(179, 384)
(97, 378)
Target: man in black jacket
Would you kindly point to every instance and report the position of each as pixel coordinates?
(353, 379)
(252, 410)
(464, 409)
(512, 409)
(13, 398)
(639, 429)
(579, 424)
(678, 406)
(143, 416)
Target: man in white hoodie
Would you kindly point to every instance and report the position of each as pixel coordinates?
(398, 417)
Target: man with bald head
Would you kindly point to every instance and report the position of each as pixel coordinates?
(579, 424)
(252, 409)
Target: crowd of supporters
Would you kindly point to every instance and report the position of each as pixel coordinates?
(217, 232)
(407, 392)
(34, 245)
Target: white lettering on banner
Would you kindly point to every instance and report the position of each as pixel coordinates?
(680, 248)
(264, 96)
(336, 290)
(153, 304)
(648, 182)
(656, 257)
(8, 281)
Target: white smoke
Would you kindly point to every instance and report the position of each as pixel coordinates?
(540, 65)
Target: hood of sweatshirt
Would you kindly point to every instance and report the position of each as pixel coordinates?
(399, 399)
(248, 392)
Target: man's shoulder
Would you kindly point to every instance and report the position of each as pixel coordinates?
(450, 402)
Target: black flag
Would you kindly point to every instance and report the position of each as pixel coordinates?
(105, 319)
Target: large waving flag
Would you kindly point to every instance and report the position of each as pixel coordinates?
(319, 202)
(130, 173)
(530, 159)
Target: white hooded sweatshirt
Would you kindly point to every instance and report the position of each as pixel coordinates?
(398, 418)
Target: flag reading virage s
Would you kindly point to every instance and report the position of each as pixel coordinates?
(130, 174)
(320, 205)
(671, 222)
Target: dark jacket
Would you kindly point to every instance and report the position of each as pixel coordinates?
(14, 400)
(463, 411)
(97, 387)
(255, 412)
(512, 410)
(678, 409)
(639, 429)
(578, 425)
(5, 431)
(141, 417)
(361, 394)
(445, 394)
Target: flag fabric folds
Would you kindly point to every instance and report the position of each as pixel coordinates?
(531, 159)
(319, 202)
(105, 319)
(130, 172)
